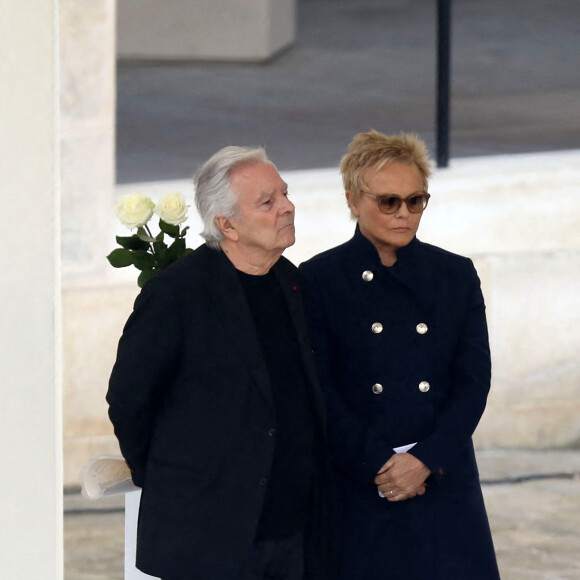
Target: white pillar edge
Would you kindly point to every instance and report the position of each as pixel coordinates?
(31, 534)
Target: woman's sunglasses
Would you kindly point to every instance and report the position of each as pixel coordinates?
(389, 203)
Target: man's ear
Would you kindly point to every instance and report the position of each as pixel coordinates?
(227, 228)
(352, 202)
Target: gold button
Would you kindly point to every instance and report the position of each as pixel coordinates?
(377, 388)
(424, 386)
(422, 328)
(367, 275)
(377, 327)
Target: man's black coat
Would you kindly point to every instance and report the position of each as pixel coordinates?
(192, 407)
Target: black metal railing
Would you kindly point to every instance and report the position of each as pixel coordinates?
(443, 81)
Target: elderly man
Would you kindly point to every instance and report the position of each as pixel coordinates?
(214, 397)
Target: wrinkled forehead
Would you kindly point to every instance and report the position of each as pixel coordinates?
(256, 180)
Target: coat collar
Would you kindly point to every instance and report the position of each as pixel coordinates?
(412, 269)
(287, 276)
(405, 255)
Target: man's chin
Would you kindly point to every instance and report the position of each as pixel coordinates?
(290, 241)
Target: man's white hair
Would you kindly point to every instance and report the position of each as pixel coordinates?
(214, 195)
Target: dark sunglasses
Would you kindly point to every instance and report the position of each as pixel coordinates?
(389, 203)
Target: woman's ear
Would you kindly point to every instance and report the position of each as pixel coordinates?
(227, 228)
(352, 201)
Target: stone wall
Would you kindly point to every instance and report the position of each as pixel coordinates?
(516, 216)
(87, 144)
(87, 106)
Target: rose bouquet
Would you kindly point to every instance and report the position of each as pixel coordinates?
(146, 252)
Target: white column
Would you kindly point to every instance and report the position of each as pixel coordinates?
(30, 387)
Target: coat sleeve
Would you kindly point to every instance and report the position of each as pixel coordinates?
(148, 354)
(470, 376)
(355, 448)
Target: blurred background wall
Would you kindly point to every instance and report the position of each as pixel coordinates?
(143, 122)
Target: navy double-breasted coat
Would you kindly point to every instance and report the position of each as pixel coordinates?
(192, 407)
(404, 358)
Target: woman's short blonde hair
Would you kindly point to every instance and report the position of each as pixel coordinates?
(377, 150)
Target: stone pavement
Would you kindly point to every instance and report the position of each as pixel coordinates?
(532, 498)
(357, 65)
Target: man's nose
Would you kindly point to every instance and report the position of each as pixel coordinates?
(286, 206)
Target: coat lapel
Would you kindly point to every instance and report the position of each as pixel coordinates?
(412, 271)
(287, 277)
(227, 295)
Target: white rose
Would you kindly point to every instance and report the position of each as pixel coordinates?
(134, 210)
(172, 209)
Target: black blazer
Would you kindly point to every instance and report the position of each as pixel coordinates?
(192, 407)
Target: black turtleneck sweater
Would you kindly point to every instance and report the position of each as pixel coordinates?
(287, 501)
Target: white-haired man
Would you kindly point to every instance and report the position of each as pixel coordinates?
(214, 397)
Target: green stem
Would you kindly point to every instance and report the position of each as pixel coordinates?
(151, 244)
